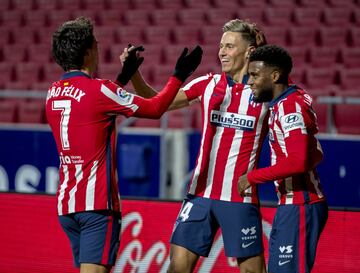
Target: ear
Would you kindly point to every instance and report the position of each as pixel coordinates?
(275, 76)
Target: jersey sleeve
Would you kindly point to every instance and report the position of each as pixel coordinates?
(292, 122)
(195, 89)
(116, 100)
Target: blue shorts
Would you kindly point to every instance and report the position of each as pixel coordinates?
(294, 236)
(94, 236)
(200, 218)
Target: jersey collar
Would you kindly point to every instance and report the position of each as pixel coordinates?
(232, 83)
(72, 74)
(291, 89)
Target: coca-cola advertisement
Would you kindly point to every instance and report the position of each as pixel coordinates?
(32, 240)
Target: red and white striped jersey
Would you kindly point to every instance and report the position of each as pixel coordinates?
(295, 151)
(233, 130)
(81, 112)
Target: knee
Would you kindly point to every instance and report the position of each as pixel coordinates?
(178, 268)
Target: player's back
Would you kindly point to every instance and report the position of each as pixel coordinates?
(84, 131)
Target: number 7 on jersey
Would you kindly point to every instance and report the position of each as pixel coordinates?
(65, 107)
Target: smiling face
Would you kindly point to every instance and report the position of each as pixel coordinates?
(232, 53)
(262, 81)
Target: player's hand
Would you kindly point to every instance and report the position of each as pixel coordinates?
(243, 184)
(187, 63)
(131, 61)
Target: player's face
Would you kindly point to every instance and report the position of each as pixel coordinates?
(261, 81)
(232, 52)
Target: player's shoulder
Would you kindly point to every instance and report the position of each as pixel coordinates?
(201, 81)
(298, 96)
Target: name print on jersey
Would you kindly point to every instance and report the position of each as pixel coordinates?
(65, 91)
(232, 120)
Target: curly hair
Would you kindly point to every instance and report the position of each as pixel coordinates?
(274, 56)
(71, 41)
(249, 31)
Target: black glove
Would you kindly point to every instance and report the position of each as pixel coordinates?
(130, 66)
(187, 63)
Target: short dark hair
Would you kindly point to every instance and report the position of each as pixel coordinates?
(70, 42)
(274, 56)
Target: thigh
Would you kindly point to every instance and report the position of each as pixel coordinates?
(72, 230)
(195, 228)
(100, 237)
(181, 259)
(241, 228)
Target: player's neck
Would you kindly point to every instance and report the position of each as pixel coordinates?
(279, 89)
(86, 71)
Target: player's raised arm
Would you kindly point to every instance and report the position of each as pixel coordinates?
(185, 66)
(143, 89)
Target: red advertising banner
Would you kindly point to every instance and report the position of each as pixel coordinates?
(31, 240)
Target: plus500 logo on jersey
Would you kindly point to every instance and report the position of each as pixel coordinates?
(232, 120)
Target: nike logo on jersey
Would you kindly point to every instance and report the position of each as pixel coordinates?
(247, 245)
(284, 262)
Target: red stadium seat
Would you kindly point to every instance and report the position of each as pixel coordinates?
(7, 74)
(109, 71)
(39, 53)
(128, 34)
(191, 17)
(356, 17)
(329, 36)
(254, 14)
(31, 111)
(299, 55)
(350, 78)
(164, 17)
(219, 16)
(210, 35)
(279, 16)
(15, 53)
(27, 72)
(66, 4)
(172, 52)
(160, 74)
(339, 16)
(23, 5)
(143, 4)
(110, 18)
(119, 6)
(44, 35)
(8, 108)
(92, 14)
(196, 4)
(5, 34)
(354, 37)
(37, 18)
(341, 3)
(105, 35)
(276, 35)
(351, 57)
(297, 75)
(321, 114)
(312, 3)
(253, 3)
(12, 18)
(283, 3)
(347, 118)
(157, 34)
(210, 54)
(320, 77)
(300, 36)
(178, 119)
(231, 5)
(324, 56)
(59, 17)
(94, 5)
(307, 16)
(139, 18)
(146, 123)
(51, 72)
(153, 54)
(186, 33)
(47, 5)
(170, 4)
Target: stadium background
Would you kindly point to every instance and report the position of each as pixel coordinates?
(323, 37)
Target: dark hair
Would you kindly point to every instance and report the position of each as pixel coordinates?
(71, 41)
(274, 56)
(249, 31)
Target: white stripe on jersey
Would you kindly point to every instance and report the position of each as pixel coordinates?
(111, 95)
(298, 110)
(216, 143)
(234, 151)
(63, 188)
(78, 177)
(90, 189)
(278, 131)
(207, 97)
